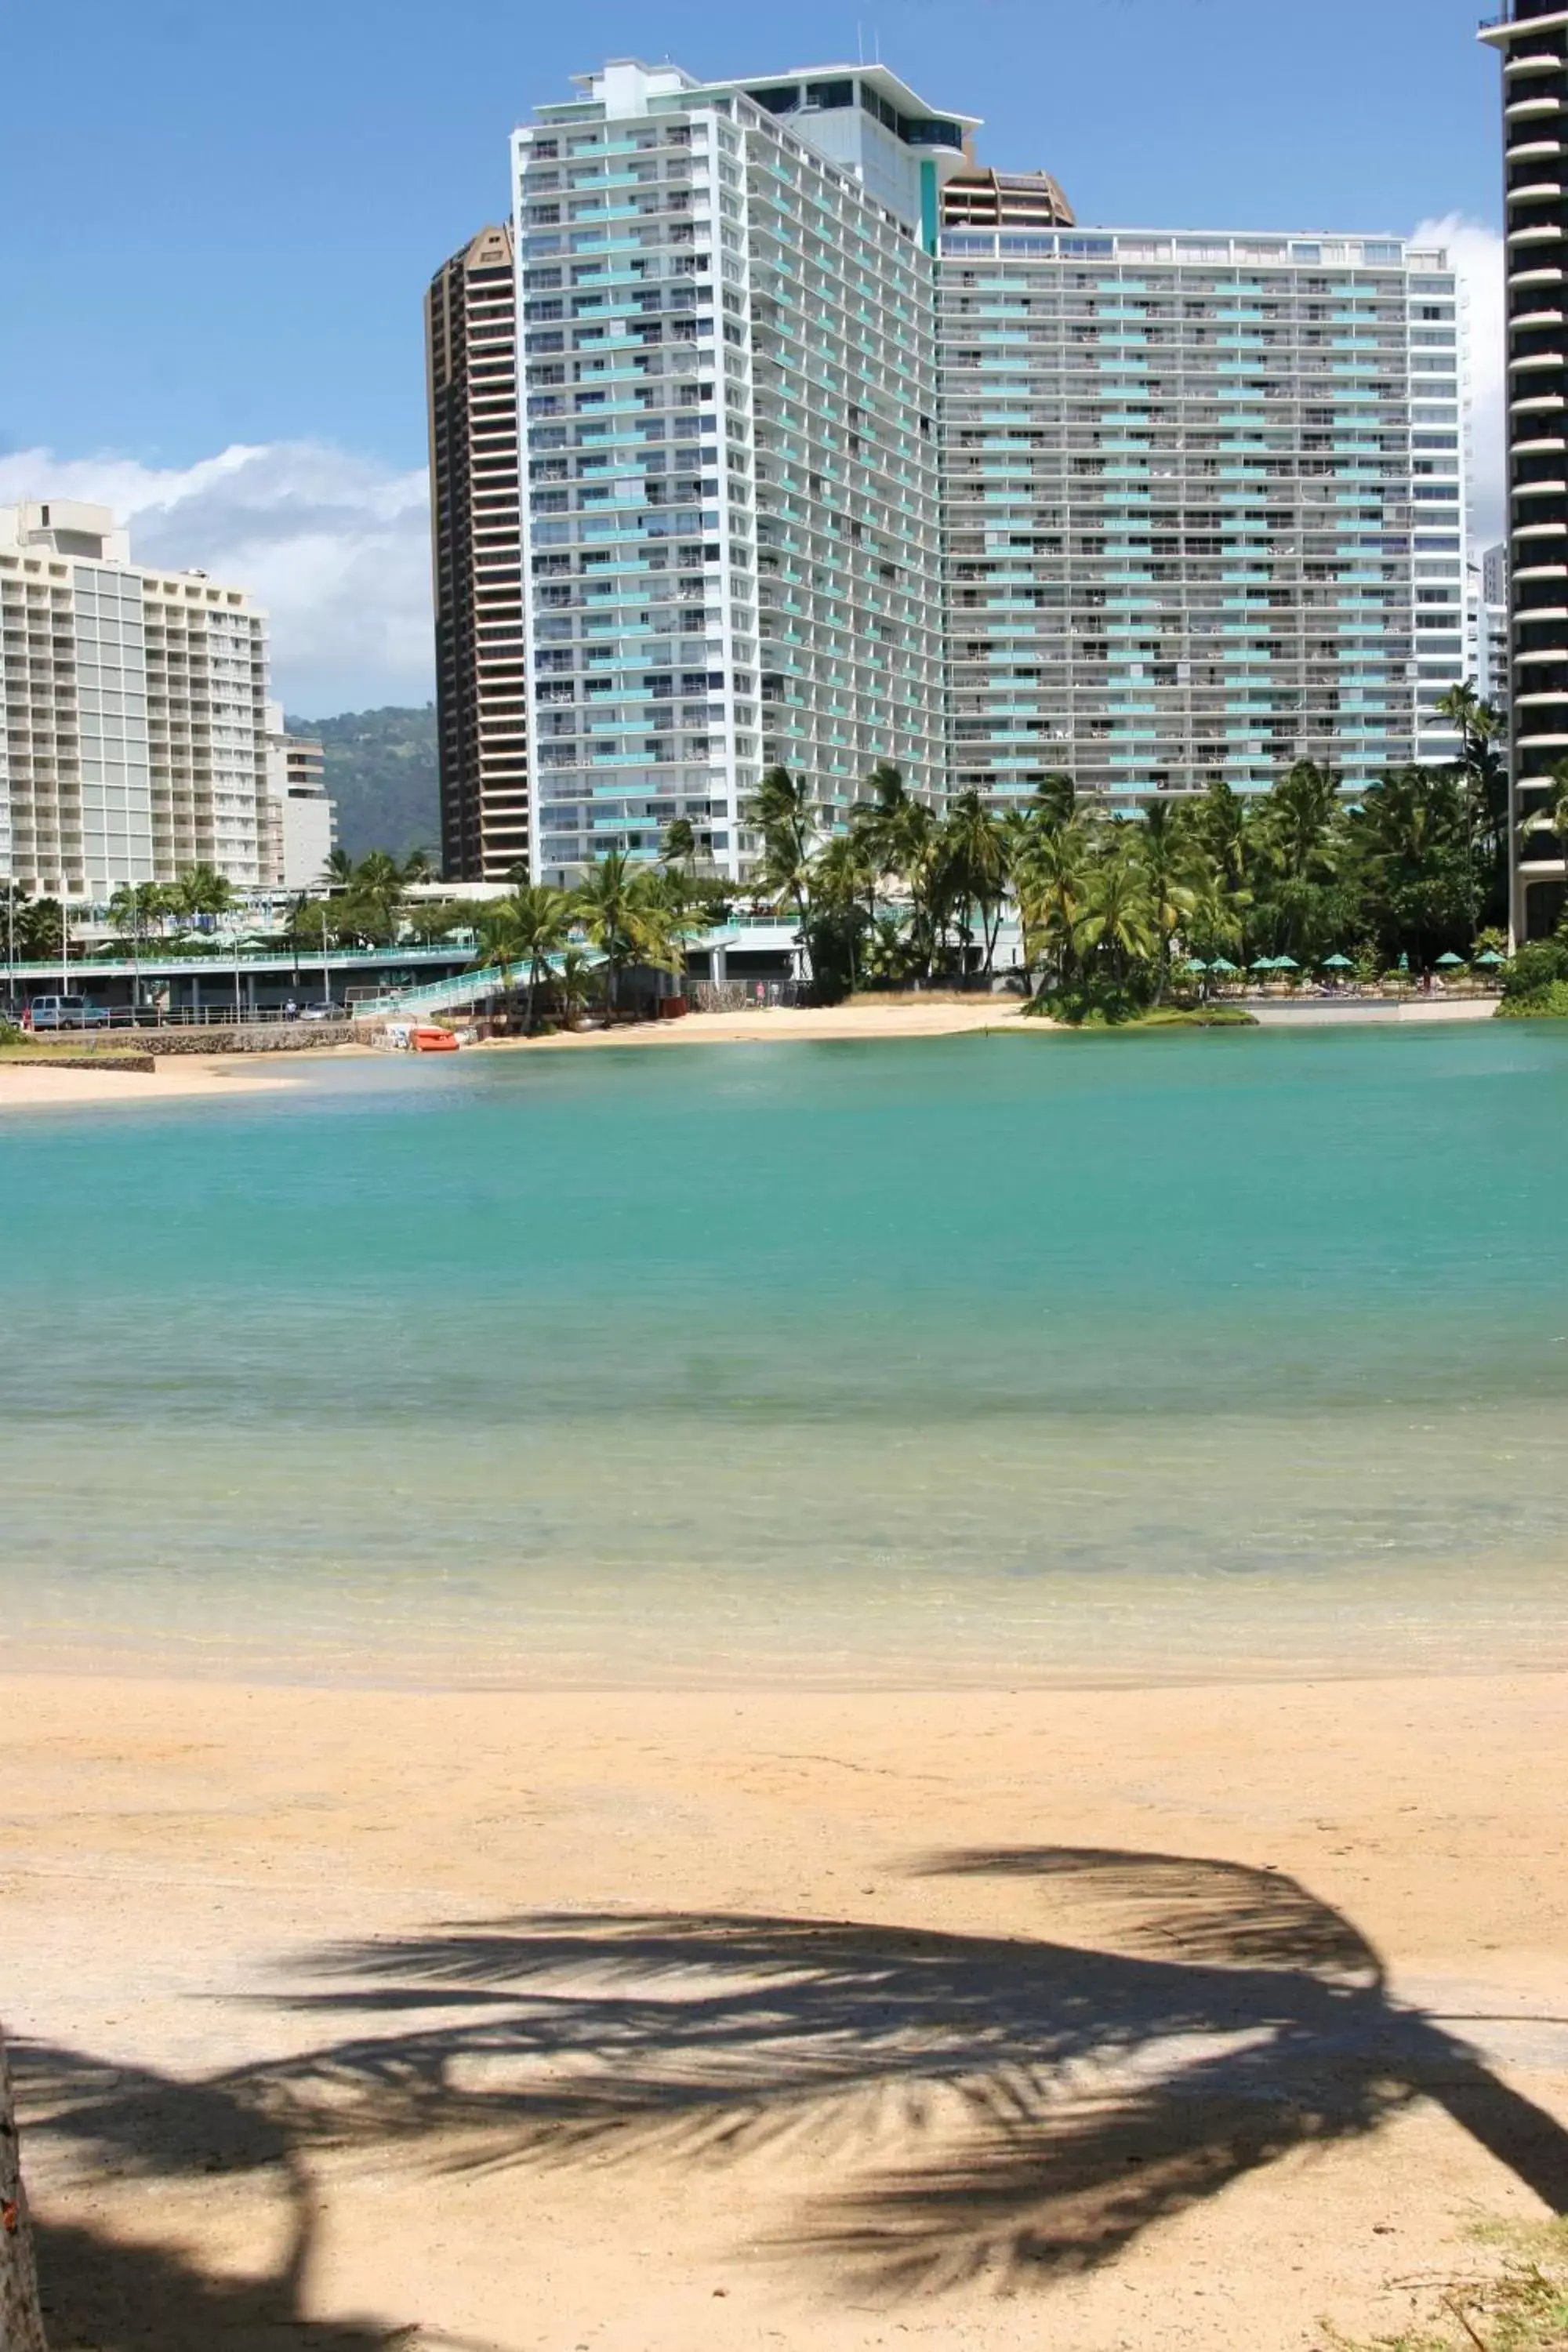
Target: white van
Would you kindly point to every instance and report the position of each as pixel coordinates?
(65, 1012)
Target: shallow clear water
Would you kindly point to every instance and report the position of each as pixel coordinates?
(1027, 1357)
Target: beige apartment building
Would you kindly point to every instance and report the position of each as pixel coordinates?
(132, 713)
(302, 820)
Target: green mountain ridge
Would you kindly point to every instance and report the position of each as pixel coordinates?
(382, 771)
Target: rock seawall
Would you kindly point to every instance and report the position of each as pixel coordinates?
(264, 1037)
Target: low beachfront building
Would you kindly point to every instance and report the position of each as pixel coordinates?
(301, 817)
(132, 713)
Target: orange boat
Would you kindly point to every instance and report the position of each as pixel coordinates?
(433, 1041)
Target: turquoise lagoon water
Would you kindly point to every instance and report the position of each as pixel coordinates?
(1026, 1358)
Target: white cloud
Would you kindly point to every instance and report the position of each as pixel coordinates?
(335, 546)
(1477, 252)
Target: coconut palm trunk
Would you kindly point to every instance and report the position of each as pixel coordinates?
(21, 2320)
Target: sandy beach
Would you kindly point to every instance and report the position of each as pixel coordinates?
(658, 2023)
(779, 1022)
(34, 1086)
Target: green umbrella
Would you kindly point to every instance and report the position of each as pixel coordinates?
(1404, 963)
(1338, 963)
(1263, 963)
(1197, 963)
(1221, 963)
(1286, 963)
(1491, 956)
(1451, 959)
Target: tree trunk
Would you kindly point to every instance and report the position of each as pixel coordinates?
(21, 2322)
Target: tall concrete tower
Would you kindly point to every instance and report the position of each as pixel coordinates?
(470, 323)
(1531, 39)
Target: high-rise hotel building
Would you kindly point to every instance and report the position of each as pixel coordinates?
(1531, 38)
(837, 448)
(132, 713)
(1203, 505)
(730, 431)
(477, 560)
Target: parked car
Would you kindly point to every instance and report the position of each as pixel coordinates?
(66, 1013)
(320, 1012)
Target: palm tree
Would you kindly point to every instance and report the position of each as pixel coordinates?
(1299, 835)
(976, 850)
(1118, 917)
(1219, 822)
(200, 890)
(679, 845)
(134, 908)
(1164, 858)
(839, 877)
(375, 893)
(782, 810)
(1486, 790)
(540, 918)
(898, 837)
(495, 935)
(1022, 830)
(885, 829)
(1055, 885)
(622, 907)
(1054, 800)
(574, 980)
(39, 927)
(1215, 919)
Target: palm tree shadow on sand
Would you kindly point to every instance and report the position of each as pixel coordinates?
(1048, 2101)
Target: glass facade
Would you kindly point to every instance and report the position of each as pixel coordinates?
(1202, 506)
(811, 478)
(729, 405)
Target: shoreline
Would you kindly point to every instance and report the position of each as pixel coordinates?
(57, 1660)
(29, 1085)
(35, 1086)
(778, 1023)
(682, 2019)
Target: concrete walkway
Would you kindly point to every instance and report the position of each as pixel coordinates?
(1314, 1010)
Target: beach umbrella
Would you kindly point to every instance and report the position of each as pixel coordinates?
(1222, 963)
(1197, 963)
(1451, 959)
(1338, 963)
(1404, 963)
(1263, 963)
(1286, 963)
(1491, 956)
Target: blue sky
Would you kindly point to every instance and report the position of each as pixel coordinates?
(218, 223)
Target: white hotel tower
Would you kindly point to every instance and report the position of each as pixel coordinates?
(837, 448)
(730, 434)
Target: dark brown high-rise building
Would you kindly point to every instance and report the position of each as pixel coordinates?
(1533, 39)
(470, 321)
